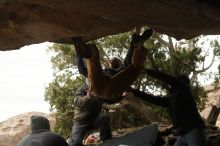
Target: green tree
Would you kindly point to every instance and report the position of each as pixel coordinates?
(164, 53)
(60, 92)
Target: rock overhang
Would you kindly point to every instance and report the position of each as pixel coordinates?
(25, 22)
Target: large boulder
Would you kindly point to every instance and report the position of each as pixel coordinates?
(24, 22)
(213, 99)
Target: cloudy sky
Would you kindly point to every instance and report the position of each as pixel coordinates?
(23, 77)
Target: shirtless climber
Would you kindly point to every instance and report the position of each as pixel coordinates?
(113, 85)
(87, 114)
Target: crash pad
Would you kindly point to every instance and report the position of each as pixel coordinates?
(144, 137)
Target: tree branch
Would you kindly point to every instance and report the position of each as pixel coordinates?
(114, 106)
(206, 68)
(161, 40)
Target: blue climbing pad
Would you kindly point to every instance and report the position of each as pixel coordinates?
(146, 136)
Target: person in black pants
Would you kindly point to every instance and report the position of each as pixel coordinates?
(182, 108)
(88, 107)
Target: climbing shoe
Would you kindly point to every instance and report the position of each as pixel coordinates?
(81, 48)
(139, 40)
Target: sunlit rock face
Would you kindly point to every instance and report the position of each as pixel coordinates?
(24, 22)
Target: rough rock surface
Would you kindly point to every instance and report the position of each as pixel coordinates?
(24, 22)
(14, 129)
(213, 99)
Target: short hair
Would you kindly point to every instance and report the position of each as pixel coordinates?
(115, 63)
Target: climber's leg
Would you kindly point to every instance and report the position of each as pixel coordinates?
(106, 87)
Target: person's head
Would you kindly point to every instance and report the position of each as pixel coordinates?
(39, 123)
(115, 63)
(183, 79)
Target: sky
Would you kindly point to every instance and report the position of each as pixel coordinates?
(23, 77)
